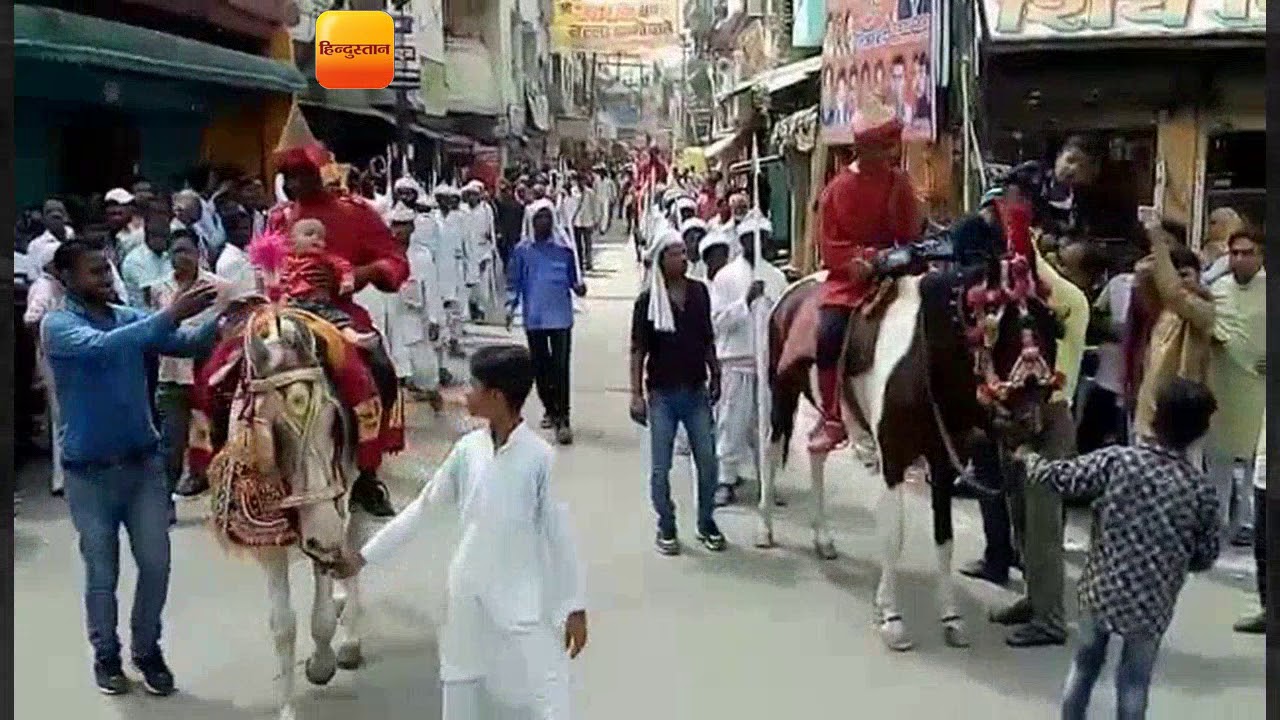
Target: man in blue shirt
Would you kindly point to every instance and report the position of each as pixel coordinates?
(542, 273)
(115, 473)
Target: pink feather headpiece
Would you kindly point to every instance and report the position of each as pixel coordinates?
(268, 253)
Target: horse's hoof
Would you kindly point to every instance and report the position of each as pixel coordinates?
(288, 713)
(825, 549)
(320, 669)
(894, 635)
(954, 634)
(764, 539)
(349, 656)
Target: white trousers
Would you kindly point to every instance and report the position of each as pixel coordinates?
(54, 415)
(470, 700)
(736, 425)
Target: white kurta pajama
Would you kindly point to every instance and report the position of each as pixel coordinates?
(481, 259)
(513, 580)
(732, 320)
(449, 235)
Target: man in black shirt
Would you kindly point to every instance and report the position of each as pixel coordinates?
(509, 219)
(673, 357)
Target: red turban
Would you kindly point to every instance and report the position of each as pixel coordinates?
(309, 157)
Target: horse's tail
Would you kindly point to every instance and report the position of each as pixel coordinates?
(784, 400)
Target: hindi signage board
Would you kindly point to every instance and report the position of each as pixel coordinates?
(883, 50)
(408, 70)
(1041, 20)
(615, 26)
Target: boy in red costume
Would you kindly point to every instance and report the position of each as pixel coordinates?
(316, 280)
(867, 207)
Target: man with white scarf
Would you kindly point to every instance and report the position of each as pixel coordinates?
(693, 231)
(675, 380)
(741, 293)
(405, 192)
(449, 235)
(481, 257)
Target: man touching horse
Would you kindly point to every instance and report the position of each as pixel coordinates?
(867, 207)
(357, 234)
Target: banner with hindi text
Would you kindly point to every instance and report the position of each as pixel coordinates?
(615, 26)
(878, 49)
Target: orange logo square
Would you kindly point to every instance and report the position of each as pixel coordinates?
(355, 50)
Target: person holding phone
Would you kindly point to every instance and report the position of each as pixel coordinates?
(111, 450)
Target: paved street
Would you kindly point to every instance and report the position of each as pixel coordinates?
(749, 635)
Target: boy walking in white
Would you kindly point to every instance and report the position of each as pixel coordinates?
(515, 612)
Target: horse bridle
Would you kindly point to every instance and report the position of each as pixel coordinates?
(335, 488)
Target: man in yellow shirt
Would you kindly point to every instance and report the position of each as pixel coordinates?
(1036, 511)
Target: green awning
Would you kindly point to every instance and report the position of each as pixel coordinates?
(52, 35)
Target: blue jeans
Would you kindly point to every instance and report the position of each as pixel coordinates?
(1133, 674)
(691, 408)
(133, 494)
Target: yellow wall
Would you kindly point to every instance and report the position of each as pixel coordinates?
(245, 135)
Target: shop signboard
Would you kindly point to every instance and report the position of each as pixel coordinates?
(636, 27)
(878, 50)
(407, 75)
(1056, 20)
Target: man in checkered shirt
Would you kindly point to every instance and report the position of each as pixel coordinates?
(1154, 520)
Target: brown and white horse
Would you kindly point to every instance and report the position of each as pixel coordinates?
(280, 484)
(919, 399)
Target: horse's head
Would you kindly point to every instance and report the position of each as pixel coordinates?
(302, 431)
(1013, 336)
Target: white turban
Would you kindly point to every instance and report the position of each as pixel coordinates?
(683, 202)
(445, 190)
(712, 240)
(402, 213)
(405, 182)
(660, 314)
(473, 186)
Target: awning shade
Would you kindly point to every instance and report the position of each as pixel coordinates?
(779, 78)
(50, 35)
(718, 147)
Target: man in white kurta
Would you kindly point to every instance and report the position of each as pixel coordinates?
(513, 579)
(480, 250)
(407, 319)
(739, 314)
(449, 235)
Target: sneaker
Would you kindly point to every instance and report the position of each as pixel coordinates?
(156, 677)
(564, 434)
(711, 538)
(109, 676)
(667, 543)
(1252, 624)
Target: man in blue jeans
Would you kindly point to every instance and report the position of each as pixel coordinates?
(115, 474)
(673, 357)
(1155, 520)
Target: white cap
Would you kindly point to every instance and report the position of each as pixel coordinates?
(405, 182)
(753, 222)
(446, 190)
(119, 196)
(693, 223)
(473, 186)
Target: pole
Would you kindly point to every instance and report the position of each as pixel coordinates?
(759, 338)
(404, 112)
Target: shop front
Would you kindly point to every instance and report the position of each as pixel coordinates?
(101, 103)
(1174, 100)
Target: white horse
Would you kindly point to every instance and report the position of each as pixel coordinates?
(295, 434)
